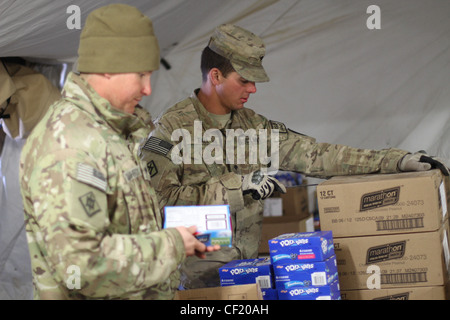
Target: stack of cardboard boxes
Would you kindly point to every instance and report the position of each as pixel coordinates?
(301, 266)
(390, 234)
(304, 266)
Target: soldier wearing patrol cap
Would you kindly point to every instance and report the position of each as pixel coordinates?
(92, 217)
(231, 65)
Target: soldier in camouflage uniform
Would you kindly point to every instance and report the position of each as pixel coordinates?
(93, 222)
(231, 64)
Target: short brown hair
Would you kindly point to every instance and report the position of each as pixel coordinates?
(210, 60)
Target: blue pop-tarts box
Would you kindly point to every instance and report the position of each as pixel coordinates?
(306, 274)
(301, 247)
(329, 292)
(247, 271)
(269, 294)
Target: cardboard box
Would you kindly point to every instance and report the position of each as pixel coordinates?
(383, 204)
(212, 221)
(293, 203)
(301, 247)
(274, 226)
(413, 293)
(247, 271)
(317, 273)
(329, 292)
(273, 207)
(241, 292)
(390, 261)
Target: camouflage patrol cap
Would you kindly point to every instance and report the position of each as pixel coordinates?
(118, 38)
(244, 49)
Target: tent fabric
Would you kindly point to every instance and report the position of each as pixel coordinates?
(332, 77)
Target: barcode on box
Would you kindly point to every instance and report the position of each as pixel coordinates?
(397, 278)
(331, 210)
(319, 278)
(264, 282)
(399, 224)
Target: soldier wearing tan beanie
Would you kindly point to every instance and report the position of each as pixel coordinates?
(93, 224)
(117, 53)
(116, 39)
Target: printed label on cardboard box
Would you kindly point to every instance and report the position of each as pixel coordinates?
(380, 198)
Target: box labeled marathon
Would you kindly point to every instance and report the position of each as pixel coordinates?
(381, 204)
(316, 273)
(301, 247)
(418, 259)
(213, 222)
(329, 292)
(247, 271)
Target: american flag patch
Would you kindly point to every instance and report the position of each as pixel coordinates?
(157, 145)
(91, 176)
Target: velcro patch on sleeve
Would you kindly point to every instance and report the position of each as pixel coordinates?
(91, 176)
(132, 174)
(157, 145)
(278, 125)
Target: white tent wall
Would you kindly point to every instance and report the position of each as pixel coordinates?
(331, 76)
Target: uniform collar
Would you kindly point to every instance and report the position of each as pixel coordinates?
(203, 114)
(210, 123)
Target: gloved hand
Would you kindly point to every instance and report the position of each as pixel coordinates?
(261, 185)
(420, 161)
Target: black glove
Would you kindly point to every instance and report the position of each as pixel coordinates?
(260, 185)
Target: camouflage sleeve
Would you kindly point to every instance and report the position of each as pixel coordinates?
(303, 154)
(170, 180)
(74, 218)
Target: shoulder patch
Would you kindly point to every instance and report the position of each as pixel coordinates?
(91, 176)
(157, 145)
(152, 169)
(90, 204)
(278, 125)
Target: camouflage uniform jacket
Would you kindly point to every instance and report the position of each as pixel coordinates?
(93, 223)
(202, 183)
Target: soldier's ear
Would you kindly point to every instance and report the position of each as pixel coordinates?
(215, 76)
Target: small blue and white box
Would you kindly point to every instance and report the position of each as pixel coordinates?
(246, 272)
(329, 292)
(306, 274)
(212, 221)
(301, 247)
(250, 271)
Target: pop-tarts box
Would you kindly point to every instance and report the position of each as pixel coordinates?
(212, 221)
(269, 294)
(306, 274)
(329, 292)
(247, 271)
(301, 247)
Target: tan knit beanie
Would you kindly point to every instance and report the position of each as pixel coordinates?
(118, 38)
